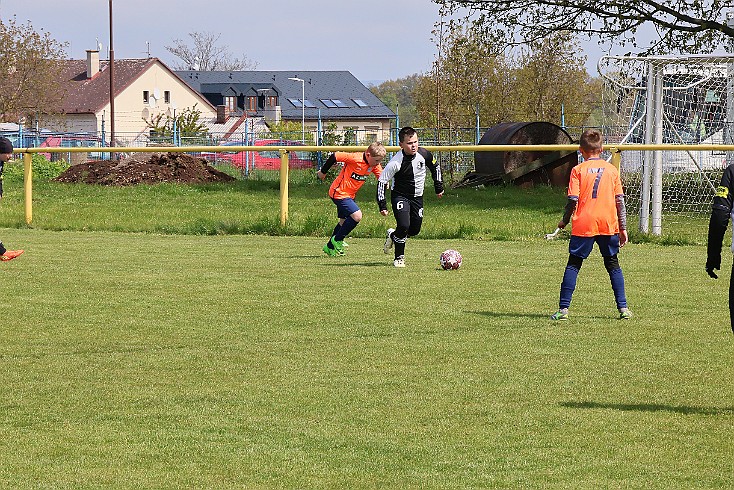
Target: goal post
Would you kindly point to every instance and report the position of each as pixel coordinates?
(669, 100)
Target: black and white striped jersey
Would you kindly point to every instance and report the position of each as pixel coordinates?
(408, 176)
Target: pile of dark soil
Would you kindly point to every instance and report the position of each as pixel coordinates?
(145, 168)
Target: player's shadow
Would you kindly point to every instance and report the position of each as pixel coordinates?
(508, 314)
(650, 407)
(357, 264)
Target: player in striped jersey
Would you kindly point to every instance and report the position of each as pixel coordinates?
(356, 168)
(407, 170)
(596, 202)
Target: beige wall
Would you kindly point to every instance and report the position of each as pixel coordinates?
(380, 128)
(70, 123)
(130, 108)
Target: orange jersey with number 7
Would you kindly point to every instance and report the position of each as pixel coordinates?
(594, 184)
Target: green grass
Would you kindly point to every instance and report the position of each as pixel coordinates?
(178, 336)
(253, 207)
(142, 360)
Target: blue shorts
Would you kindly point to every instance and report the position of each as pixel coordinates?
(345, 207)
(581, 246)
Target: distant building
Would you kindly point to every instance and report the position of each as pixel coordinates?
(144, 89)
(330, 97)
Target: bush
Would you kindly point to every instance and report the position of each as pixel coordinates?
(42, 168)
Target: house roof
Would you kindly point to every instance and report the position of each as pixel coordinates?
(90, 95)
(319, 86)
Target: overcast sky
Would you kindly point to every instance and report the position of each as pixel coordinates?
(375, 40)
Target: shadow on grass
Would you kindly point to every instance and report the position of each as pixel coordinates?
(509, 314)
(358, 264)
(650, 407)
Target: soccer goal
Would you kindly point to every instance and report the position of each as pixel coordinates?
(686, 100)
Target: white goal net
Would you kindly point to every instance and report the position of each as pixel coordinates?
(686, 100)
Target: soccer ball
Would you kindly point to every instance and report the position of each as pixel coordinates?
(450, 260)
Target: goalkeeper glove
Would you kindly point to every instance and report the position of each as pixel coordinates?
(713, 264)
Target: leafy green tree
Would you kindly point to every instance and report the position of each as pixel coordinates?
(682, 26)
(550, 80)
(288, 130)
(467, 75)
(187, 124)
(544, 80)
(330, 136)
(398, 95)
(28, 80)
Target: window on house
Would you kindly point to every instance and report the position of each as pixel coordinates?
(328, 103)
(360, 102)
(230, 103)
(167, 96)
(251, 103)
(146, 96)
(339, 103)
(272, 100)
(299, 104)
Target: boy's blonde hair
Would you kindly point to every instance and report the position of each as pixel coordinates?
(377, 150)
(591, 141)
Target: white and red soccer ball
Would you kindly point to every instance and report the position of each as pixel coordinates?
(450, 260)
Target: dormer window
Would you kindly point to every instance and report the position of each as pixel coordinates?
(230, 103)
(251, 103)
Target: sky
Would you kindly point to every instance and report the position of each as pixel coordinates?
(376, 40)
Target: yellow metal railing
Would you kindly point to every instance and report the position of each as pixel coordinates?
(616, 151)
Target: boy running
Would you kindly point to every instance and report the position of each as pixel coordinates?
(407, 170)
(596, 202)
(354, 173)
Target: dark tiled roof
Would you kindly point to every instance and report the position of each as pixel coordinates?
(341, 85)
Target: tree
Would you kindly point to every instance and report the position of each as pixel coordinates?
(398, 96)
(467, 74)
(550, 81)
(288, 130)
(205, 55)
(186, 124)
(544, 80)
(28, 71)
(682, 26)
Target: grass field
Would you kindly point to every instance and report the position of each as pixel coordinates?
(150, 360)
(178, 336)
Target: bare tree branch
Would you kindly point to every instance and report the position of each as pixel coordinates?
(682, 26)
(205, 55)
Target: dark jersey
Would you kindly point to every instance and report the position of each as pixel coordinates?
(408, 174)
(720, 213)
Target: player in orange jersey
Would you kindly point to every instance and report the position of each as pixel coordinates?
(597, 214)
(356, 168)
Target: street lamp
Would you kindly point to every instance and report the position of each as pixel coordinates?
(303, 107)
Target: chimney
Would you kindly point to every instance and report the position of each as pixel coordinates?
(92, 62)
(222, 114)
